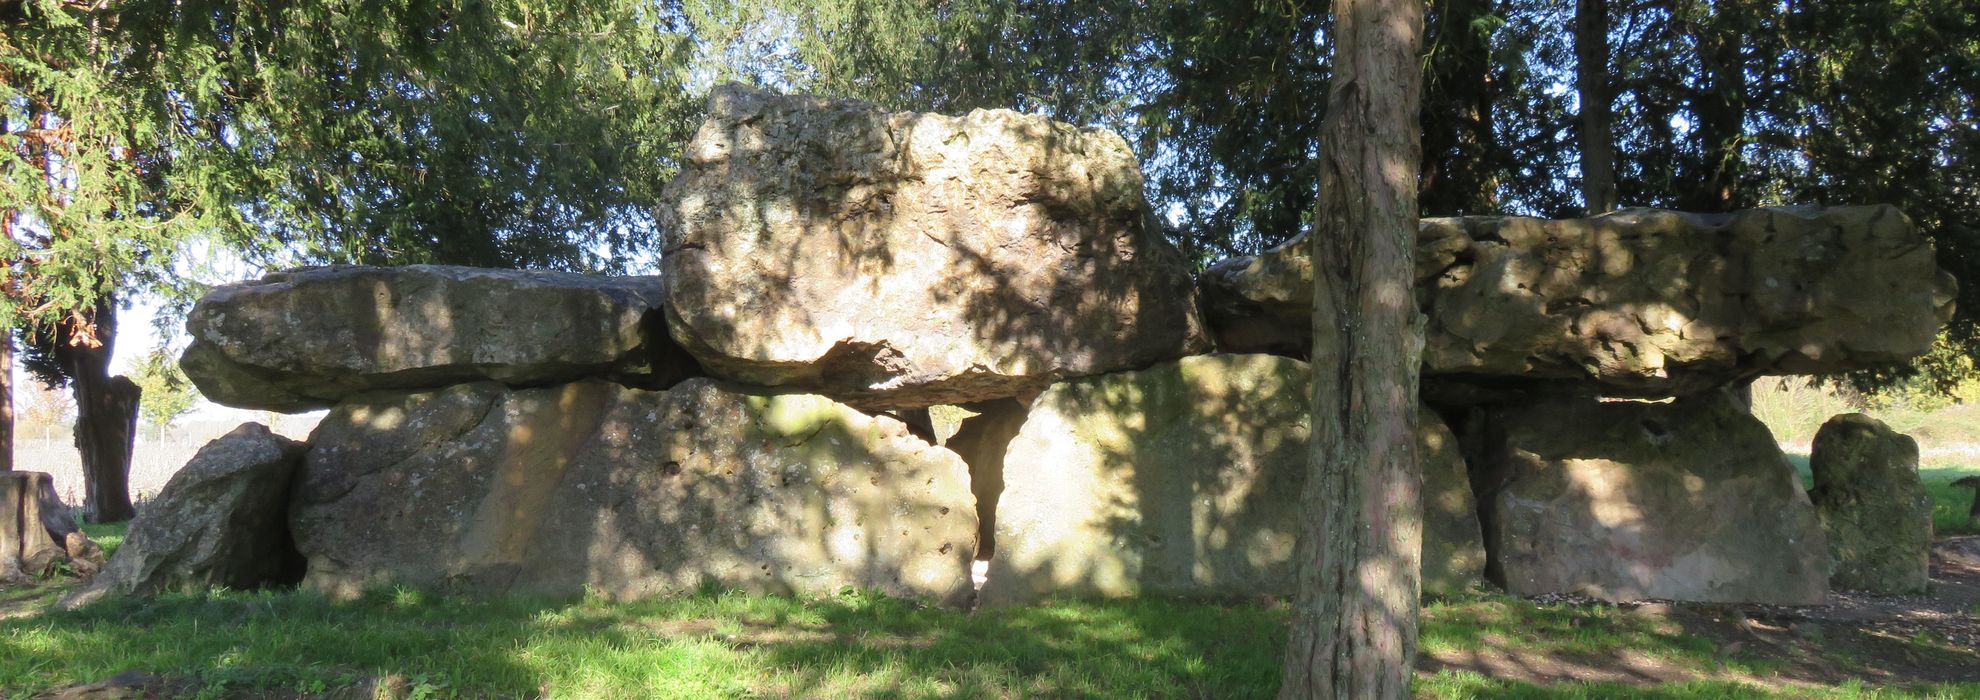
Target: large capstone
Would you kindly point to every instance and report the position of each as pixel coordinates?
(902, 260)
(624, 492)
(1689, 500)
(220, 522)
(1874, 508)
(1181, 480)
(310, 337)
(1635, 303)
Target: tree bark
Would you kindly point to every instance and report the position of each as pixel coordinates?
(33, 525)
(1719, 106)
(105, 434)
(106, 420)
(6, 402)
(1598, 147)
(1461, 159)
(1359, 554)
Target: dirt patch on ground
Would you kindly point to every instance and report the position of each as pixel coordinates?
(1880, 640)
(19, 601)
(1506, 661)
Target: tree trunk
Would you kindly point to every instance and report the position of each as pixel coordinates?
(1719, 106)
(1461, 160)
(106, 420)
(1598, 145)
(33, 525)
(1359, 555)
(106, 425)
(6, 402)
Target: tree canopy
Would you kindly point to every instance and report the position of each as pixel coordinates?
(140, 135)
(1717, 104)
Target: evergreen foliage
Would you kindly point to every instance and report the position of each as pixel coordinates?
(141, 135)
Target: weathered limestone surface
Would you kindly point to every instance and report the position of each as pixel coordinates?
(902, 260)
(1874, 508)
(1638, 303)
(1622, 500)
(310, 337)
(629, 493)
(221, 521)
(1180, 480)
(1453, 544)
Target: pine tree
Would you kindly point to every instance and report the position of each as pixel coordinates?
(141, 136)
(1360, 536)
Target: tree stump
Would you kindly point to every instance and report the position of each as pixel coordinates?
(35, 530)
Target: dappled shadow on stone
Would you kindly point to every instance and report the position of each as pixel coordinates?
(311, 337)
(1639, 303)
(629, 493)
(905, 260)
(1186, 480)
(1624, 500)
(1182, 479)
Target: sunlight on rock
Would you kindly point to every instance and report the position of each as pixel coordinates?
(992, 240)
(1183, 479)
(789, 493)
(1637, 302)
(1688, 500)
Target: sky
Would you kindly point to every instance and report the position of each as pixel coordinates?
(138, 335)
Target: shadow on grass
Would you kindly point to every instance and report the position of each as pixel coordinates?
(719, 644)
(709, 645)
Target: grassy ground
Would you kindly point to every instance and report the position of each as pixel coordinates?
(109, 536)
(851, 645)
(1950, 505)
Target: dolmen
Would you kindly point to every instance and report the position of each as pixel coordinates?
(882, 346)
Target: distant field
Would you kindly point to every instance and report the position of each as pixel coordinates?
(154, 458)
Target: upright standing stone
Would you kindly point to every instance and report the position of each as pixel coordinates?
(593, 486)
(1179, 480)
(1185, 480)
(1624, 500)
(902, 260)
(221, 521)
(1453, 545)
(1873, 506)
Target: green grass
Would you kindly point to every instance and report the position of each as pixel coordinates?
(107, 535)
(716, 645)
(1950, 504)
(850, 645)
